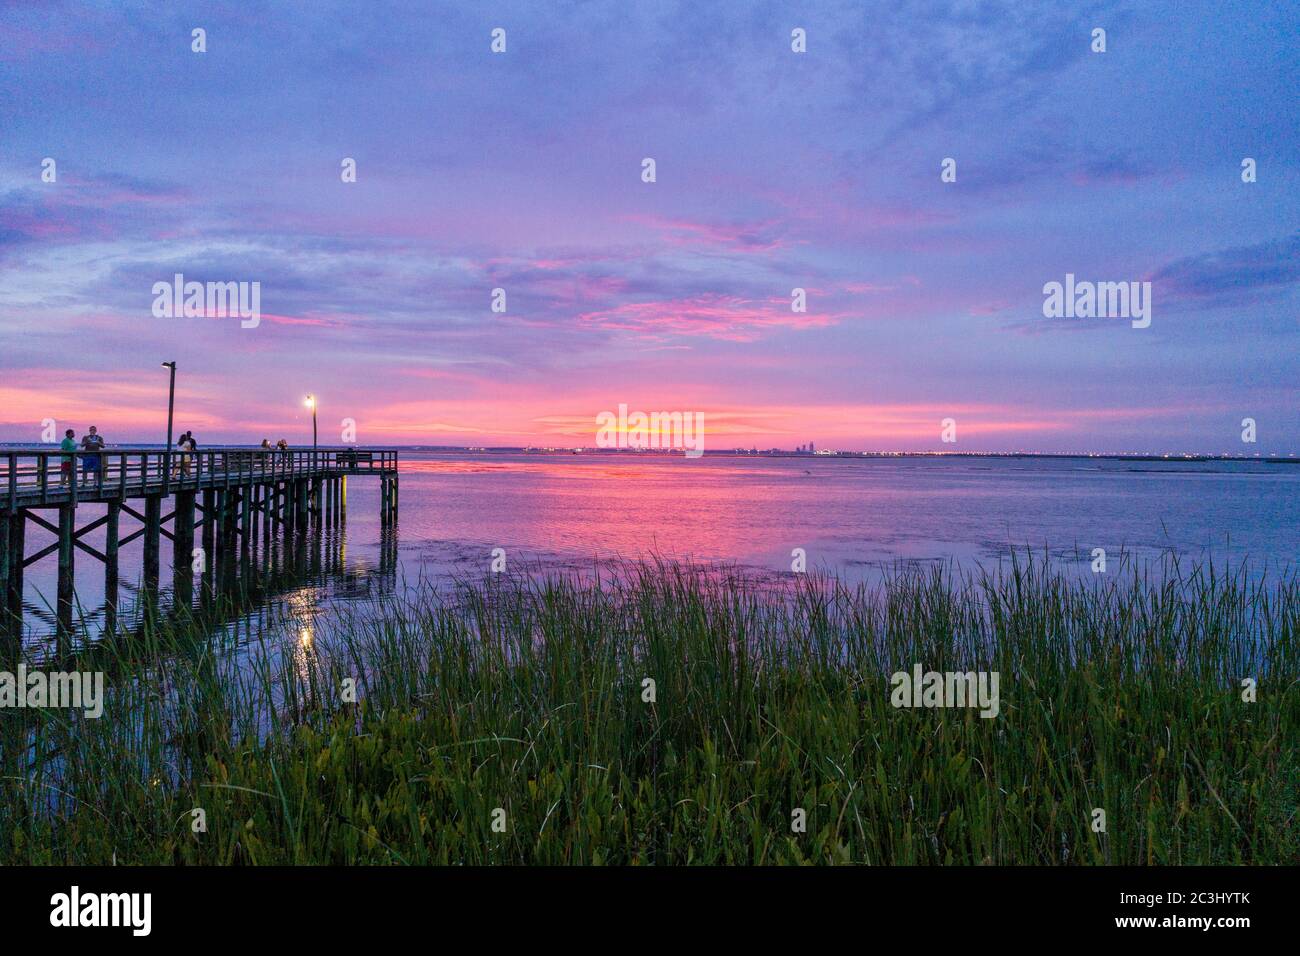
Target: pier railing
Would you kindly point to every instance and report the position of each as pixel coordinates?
(43, 475)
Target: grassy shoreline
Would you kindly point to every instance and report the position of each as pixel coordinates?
(526, 696)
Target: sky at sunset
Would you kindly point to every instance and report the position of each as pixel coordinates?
(775, 170)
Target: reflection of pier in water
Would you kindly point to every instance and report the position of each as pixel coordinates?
(264, 521)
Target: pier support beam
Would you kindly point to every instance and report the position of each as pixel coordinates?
(209, 527)
(288, 509)
(183, 550)
(255, 505)
(304, 506)
(5, 559)
(388, 498)
(7, 625)
(152, 532)
(112, 526)
(245, 522)
(227, 525)
(67, 551)
(14, 597)
(208, 578)
(228, 507)
(268, 514)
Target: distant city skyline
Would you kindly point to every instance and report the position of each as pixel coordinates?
(775, 171)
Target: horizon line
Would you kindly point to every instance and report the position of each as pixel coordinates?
(753, 452)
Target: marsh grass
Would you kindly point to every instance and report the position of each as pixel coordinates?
(526, 694)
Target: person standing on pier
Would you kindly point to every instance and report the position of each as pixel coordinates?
(69, 445)
(188, 445)
(92, 442)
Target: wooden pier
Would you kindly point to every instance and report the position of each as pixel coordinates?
(225, 498)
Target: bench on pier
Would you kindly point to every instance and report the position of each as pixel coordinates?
(354, 459)
(237, 461)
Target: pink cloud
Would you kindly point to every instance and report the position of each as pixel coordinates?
(332, 322)
(716, 316)
(734, 236)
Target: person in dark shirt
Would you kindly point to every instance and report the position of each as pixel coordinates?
(90, 464)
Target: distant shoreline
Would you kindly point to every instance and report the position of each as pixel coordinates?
(762, 453)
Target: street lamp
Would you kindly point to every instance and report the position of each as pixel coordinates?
(171, 403)
(311, 403)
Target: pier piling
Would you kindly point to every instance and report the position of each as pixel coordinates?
(111, 544)
(14, 599)
(183, 549)
(152, 534)
(67, 552)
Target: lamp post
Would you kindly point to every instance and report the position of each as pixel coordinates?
(311, 403)
(171, 403)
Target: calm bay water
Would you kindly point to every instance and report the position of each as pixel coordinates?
(850, 516)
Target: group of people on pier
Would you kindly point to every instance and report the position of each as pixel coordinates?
(92, 445)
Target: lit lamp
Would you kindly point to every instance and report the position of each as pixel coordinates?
(171, 402)
(311, 403)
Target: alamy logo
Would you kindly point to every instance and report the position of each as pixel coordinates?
(1101, 300)
(194, 300)
(102, 909)
(923, 688)
(684, 430)
(77, 690)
